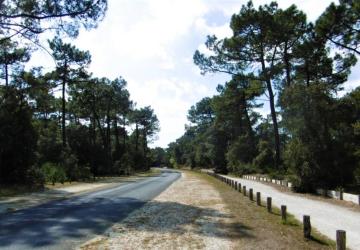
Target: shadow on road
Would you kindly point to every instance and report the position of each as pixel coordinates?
(51, 225)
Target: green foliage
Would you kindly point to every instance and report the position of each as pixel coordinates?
(159, 158)
(53, 173)
(265, 159)
(83, 133)
(69, 163)
(29, 18)
(339, 24)
(125, 165)
(239, 155)
(300, 161)
(316, 143)
(17, 138)
(323, 141)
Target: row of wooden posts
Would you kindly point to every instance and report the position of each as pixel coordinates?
(340, 234)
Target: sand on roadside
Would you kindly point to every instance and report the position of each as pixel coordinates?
(190, 214)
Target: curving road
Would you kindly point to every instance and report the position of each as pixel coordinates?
(68, 223)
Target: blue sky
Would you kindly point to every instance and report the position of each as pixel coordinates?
(151, 43)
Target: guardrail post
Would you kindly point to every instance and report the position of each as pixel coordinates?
(283, 212)
(268, 204)
(251, 194)
(258, 198)
(307, 226)
(340, 240)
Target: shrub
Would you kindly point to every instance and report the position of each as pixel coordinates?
(265, 158)
(69, 163)
(18, 139)
(53, 173)
(299, 160)
(81, 172)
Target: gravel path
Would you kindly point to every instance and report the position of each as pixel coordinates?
(325, 217)
(190, 214)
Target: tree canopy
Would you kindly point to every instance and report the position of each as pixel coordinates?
(277, 58)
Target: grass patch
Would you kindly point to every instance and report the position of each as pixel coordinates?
(267, 229)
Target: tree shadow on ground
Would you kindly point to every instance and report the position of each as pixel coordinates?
(178, 218)
(61, 224)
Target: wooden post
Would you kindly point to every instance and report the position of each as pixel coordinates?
(244, 190)
(268, 204)
(283, 212)
(307, 226)
(236, 185)
(258, 198)
(239, 187)
(340, 240)
(251, 194)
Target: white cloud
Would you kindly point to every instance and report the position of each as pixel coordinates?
(171, 99)
(151, 44)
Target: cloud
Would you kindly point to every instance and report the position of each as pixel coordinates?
(171, 99)
(151, 43)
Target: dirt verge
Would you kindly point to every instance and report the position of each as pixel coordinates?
(199, 212)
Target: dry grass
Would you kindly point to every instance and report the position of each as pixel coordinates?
(12, 190)
(267, 229)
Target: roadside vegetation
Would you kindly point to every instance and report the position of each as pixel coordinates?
(63, 125)
(278, 59)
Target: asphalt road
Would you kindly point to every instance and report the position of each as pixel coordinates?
(68, 223)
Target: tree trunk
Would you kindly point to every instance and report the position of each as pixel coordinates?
(116, 133)
(6, 75)
(124, 135)
(275, 124)
(108, 136)
(273, 113)
(63, 127)
(287, 65)
(145, 149)
(136, 137)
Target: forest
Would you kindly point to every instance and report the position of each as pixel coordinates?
(66, 124)
(277, 59)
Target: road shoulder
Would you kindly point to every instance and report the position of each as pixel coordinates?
(199, 212)
(58, 192)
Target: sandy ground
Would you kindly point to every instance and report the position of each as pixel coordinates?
(325, 217)
(190, 214)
